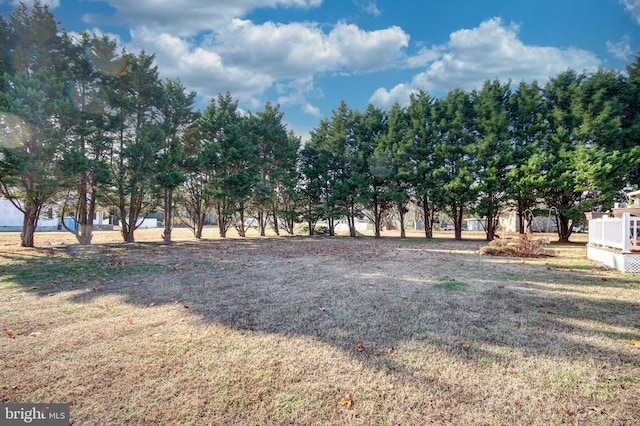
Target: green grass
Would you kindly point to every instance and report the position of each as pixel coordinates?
(450, 284)
(45, 274)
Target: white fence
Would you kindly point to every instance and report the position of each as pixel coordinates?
(616, 232)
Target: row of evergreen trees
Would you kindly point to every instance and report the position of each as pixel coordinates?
(571, 146)
(89, 125)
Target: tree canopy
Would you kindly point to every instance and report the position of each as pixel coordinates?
(85, 125)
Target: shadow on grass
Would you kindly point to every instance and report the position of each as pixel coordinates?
(345, 292)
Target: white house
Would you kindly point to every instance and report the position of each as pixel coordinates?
(476, 224)
(11, 218)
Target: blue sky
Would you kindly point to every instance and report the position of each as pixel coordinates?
(308, 55)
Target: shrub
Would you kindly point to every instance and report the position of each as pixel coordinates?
(523, 246)
(303, 229)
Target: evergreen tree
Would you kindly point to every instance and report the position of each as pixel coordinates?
(630, 124)
(33, 105)
(136, 136)
(86, 153)
(573, 172)
(394, 145)
(454, 177)
(422, 158)
(527, 130)
(374, 167)
(196, 195)
(177, 112)
(233, 157)
(492, 152)
(315, 184)
(275, 187)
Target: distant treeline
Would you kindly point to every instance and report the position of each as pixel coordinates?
(84, 124)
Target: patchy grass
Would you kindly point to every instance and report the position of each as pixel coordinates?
(279, 330)
(450, 284)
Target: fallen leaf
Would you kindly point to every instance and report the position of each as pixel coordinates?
(346, 400)
(130, 320)
(248, 327)
(500, 286)
(360, 347)
(603, 279)
(297, 309)
(518, 325)
(633, 342)
(392, 352)
(9, 333)
(540, 306)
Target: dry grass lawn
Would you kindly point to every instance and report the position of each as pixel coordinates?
(272, 331)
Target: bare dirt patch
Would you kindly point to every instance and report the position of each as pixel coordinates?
(281, 330)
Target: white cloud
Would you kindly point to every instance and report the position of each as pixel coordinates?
(491, 50)
(282, 50)
(384, 98)
(214, 49)
(311, 110)
(633, 7)
(369, 7)
(297, 92)
(424, 57)
(247, 59)
(621, 49)
(51, 3)
(187, 18)
(200, 69)
(363, 51)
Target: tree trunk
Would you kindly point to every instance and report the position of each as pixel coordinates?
(81, 213)
(276, 227)
(377, 219)
(401, 213)
(426, 213)
(491, 228)
(564, 228)
(457, 219)
(31, 214)
(351, 220)
(128, 236)
(222, 222)
(133, 219)
(199, 225)
(262, 223)
(88, 231)
(168, 215)
(241, 229)
(332, 226)
(521, 213)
